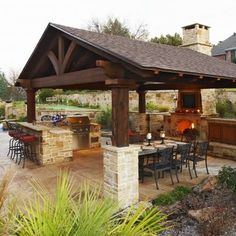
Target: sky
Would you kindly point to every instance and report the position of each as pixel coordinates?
(22, 22)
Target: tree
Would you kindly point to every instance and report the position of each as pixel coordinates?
(17, 93)
(114, 26)
(174, 40)
(4, 93)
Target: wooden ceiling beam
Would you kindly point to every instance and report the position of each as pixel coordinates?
(62, 62)
(53, 59)
(68, 79)
(68, 57)
(61, 51)
(113, 70)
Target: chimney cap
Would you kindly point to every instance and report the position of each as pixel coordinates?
(192, 26)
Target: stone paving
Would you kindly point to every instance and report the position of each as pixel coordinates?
(87, 165)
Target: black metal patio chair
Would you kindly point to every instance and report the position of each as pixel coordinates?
(181, 157)
(162, 162)
(200, 154)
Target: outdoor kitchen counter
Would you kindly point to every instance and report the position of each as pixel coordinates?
(41, 127)
(54, 144)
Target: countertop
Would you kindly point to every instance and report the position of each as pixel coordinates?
(40, 128)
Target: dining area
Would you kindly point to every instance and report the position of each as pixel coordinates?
(170, 160)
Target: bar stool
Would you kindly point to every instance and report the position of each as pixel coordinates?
(15, 132)
(27, 142)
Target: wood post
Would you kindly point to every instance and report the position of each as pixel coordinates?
(141, 101)
(120, 117)
(120, 110)
(30, 93)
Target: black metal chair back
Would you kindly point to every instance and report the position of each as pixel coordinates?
(164, 156)
(183, 150)
(201, 149)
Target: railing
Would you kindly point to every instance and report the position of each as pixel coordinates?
(222, 130)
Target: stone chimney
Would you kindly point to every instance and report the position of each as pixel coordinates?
(196, 37)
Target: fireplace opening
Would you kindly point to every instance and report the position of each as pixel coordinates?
(182, 125)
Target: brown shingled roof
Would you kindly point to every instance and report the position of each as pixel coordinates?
(148, 55)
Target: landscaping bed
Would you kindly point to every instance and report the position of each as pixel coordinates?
(210, 209)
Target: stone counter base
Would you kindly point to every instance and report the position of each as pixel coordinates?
(222, 150)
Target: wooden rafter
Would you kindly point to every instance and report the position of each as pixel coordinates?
(62, 62)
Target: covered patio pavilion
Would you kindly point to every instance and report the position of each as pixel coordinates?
(71, 58)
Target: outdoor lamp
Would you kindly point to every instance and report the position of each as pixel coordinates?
(149, 137)
(162, 136)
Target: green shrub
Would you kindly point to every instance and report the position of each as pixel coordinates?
(225, 109)
(11, 116)
(22, 119)
(45, 93)
(151, 106)
(179, 193)
(82, 211)
(2, 110)
(18, 104)
(73, 103)
(227, 177)
(105, 118)
(162, 108)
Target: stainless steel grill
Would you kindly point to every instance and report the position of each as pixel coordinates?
(80, 125)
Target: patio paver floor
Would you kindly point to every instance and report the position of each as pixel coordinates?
(88, 165)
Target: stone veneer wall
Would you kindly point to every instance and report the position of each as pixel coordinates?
(171, 122)
(209, 101)
(121, 174)
(52, 145)
(222, 150)
(140, 122)
(164, 98)
(55, 146)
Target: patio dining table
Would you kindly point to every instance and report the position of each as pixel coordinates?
(148, 151)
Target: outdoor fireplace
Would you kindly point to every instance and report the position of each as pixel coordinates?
(187, 115)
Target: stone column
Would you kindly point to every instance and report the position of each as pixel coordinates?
(208, 101)
(121, 174)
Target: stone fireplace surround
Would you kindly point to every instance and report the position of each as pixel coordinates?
(176, 123)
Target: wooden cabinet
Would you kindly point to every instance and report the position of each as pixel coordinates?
(223, 132)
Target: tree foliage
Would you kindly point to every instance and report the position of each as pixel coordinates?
(17, 93)
(114, 26)
(174, 40)
(44, 93)
(8, 90)
(4, 93)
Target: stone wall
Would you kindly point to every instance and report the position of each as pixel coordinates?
(162, 98)
(144, 122)
(53, 145)
(222, 94)
(209, 101)
(121, 175)
(166, 98)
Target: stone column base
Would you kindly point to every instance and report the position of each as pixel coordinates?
(121, 174)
